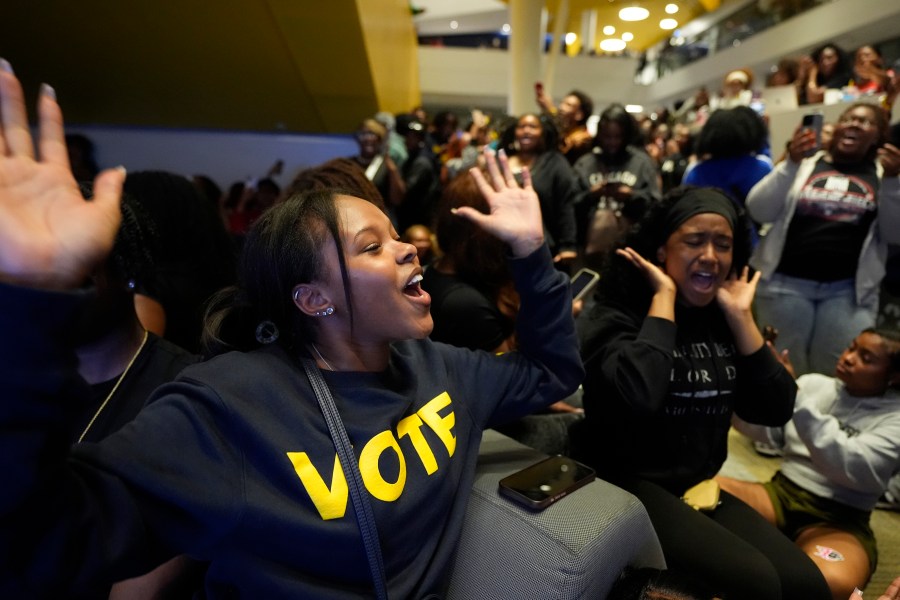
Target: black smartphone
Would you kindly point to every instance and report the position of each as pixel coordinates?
(543, 483)
(813, 122)
(583, 282)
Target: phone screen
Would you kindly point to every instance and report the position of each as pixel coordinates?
(583, 282)
(813, 122)
(545, 482)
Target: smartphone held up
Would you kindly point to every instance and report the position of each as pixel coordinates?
(813, 122)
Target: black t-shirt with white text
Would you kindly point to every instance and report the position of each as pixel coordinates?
(834, 212)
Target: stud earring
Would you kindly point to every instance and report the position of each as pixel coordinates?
(326, 312)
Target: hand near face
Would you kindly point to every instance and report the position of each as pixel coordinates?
(889, 157)
(802, 144)
(49, 236)
(735, 295)
(515, 215)
(656, 277)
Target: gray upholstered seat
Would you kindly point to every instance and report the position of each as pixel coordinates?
(575, 548)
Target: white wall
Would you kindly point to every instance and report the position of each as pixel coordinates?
(478, 78)
(225, 156)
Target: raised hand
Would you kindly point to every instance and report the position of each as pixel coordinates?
(662, 305)
(515, 215)
(50, 237)
(657, 278)
(735, 297)
(802, 143)
(889, 157)
(736, 293)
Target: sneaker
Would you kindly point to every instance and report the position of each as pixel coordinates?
(765, 449)
(888, 502)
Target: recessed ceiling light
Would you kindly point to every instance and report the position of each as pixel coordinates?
(506, 28)
(454, 25)
(671, 9)
(627, 36)
(634, 108)
(570, 38)
(609, 30)
(634, 13)
(668, 24)
(612, 45)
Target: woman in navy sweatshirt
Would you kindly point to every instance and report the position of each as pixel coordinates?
(233, 463)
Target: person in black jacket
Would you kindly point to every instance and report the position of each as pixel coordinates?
(671, 351)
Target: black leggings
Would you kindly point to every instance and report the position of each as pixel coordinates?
(732, 549)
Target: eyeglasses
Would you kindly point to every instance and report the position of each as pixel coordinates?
(863, 122)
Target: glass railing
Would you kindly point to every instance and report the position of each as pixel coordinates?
(730, 31)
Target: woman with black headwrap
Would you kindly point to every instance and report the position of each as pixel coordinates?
(671, 352)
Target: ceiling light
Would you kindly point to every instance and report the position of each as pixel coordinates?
(570, 38)
(612, 45)
(627, 37)
(609, 30)
(668, 24)
(671, 9)
(454, 25)
(506, 28)
(634, 108)
(634, 13)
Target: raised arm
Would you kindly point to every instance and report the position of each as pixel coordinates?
(515, 215)
(50, 238)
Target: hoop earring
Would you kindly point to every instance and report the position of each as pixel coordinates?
(266, 332)
(296, 295)
(324, 313)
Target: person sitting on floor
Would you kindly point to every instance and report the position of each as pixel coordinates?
(840, 449)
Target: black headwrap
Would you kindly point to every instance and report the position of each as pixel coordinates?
(697, 201)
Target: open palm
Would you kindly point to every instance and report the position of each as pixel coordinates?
(515, 215)
(49, 236)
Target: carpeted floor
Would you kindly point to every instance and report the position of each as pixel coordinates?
(744, 463)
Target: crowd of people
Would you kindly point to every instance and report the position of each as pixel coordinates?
(170, 348)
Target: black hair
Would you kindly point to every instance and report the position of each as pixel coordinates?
(549, 134)
(587, 105)
(342, 173)
(891, 337)
(840, 68)
(132, 258)
(648, 583)
(616, 113)
(625, 286)
(882, 122)
(196, 257)
(875, 48)
(476, 256)
(731, 132)
(208, 188)
(283, 248)
(269, 185)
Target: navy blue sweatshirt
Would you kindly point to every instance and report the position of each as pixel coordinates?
(233, 464)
